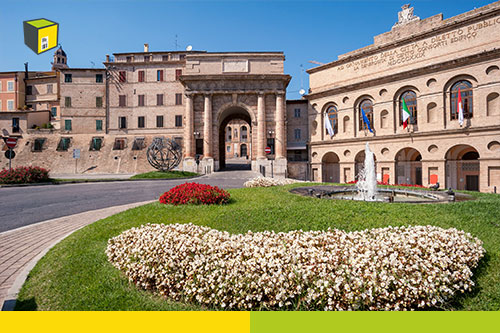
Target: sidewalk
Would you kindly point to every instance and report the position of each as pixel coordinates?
(91, 175)
(20, 249)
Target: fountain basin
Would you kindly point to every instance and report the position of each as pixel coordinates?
(390, 195)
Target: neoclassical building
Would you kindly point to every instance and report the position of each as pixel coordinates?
(425, 63)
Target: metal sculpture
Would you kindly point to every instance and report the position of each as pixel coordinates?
(164, 154)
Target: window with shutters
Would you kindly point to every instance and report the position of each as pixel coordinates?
(159, 121)
(159, 75)
(98, 125)
(159, 99)
(96, 144)
(178, 121)
(122, 100)
(38, 144)
(122, 122)
(67, 124)
(67, 102)
(120, 144)
(98, 102)
(64, 144)
(122, 76)
(140, 122)
(98, 78)
(141, 76)
(178, 73)
(68, 78)
(178, 99)
(141, 100)
(138, 144)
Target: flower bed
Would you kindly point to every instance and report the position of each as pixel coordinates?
(391, 268)
(267, 182)
(21, 175)
(194, 193)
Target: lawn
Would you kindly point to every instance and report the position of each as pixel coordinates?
(164, 175)
(75, 274)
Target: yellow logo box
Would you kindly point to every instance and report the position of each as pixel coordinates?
(41, 35)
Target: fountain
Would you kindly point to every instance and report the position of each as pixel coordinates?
(367, 178)
(366, 189)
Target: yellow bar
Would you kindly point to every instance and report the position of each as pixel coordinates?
(123, 322)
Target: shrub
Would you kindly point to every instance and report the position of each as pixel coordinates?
(21, 175)
(194, 193)
(393, 268)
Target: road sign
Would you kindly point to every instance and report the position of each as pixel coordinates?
(10, 154)
(268, 150)
(11, 142)
(76, 153)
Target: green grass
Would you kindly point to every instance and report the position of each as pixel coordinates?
(75, 274)
(164, 175)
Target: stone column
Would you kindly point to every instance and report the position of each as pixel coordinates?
(207, 127)
(280, 141)
(189, 128)
(261, 127)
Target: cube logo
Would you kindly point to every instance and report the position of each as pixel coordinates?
(41, 35)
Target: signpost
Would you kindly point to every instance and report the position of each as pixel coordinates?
(268, 151)
(76, 156)
(10, 154)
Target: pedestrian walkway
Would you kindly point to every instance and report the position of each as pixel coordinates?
(91, 175)
(20, 249)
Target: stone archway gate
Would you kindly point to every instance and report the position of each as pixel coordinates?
(253, 83)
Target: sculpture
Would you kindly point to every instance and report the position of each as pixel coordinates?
(164, 154)
(405, 16)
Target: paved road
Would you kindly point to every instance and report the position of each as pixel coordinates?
(21, 206)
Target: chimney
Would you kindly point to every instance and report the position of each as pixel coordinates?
(146, 47)
(107, 57)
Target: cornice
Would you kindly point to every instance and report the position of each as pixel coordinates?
(479, 16)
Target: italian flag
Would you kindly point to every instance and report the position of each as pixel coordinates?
(460, 109)
(406, 114)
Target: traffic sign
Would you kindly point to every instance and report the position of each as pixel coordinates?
(76, 153)
(11, 142)
(10, 154)
(268, 150)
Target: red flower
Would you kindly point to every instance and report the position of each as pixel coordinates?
(194, 193)
(24, 175)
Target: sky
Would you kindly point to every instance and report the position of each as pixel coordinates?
(304, 30)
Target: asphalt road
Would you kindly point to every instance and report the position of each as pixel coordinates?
(21, 206)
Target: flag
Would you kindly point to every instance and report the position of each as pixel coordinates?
(366, 120)
(406, 114)
(328, 126)
(460, 109)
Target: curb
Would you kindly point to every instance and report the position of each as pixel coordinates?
(76, 181)
(11, 297)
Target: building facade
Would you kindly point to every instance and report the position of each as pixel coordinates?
(297, 139)
(426, 64)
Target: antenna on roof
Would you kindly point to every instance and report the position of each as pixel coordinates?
(176, 45)
(301, 80)
(93, 64)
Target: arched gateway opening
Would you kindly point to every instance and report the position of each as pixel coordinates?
(235, 152)
(409, 166)
(462, 168)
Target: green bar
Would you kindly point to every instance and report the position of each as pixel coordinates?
(387, 322)
(40, 23)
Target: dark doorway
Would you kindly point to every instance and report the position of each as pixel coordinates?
(472, 183)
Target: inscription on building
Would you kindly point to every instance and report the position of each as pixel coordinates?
(421, 49)
(235, 66)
